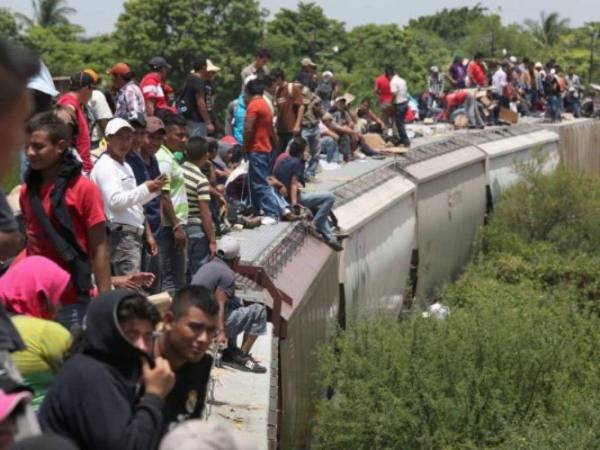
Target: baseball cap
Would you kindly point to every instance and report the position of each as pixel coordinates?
(308, 62)
(160, 62)
(80, 80)
(11, 395)
(120, 68)
(434, 69)
(115, 125)
(210, 67)
(327, 117)
(328, 74)
(92, 73)
(154, 124)
(340, 98)
(135, 118)
(538, 65)
(228, 248)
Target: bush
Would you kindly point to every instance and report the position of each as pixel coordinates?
(515, 366)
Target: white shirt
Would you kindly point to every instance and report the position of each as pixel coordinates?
(123, 199)
(100, 110)
(499, 81)
(399, 89)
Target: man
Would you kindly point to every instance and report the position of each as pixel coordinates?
(17, 66)
(190, 325)
(289, 176)
(400, 93)
(129, 100)
(63, 211)
(463, 99)
(95, 400)
(197, 98)
(172, 239)
(259, 137)
(435, 91)
(290, 109)
(311, 114)
(343, 126)
(153, 87)
(329, 139)
(457, 73)
(306, 77)
(99, 113)
(234, 318)
(258, 68)
(124, 200)
(573, 95)
(79, 94)
(499, 82)
(383, 91)
(145, 167)
(202, 243)
(552, 93)
(476, 72)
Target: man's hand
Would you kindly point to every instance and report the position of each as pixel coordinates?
(222, 200)
(212, 249)
(157, 184)
(221, 340)
(134, 281)
(283, 191)
(159, 380)
(210, 128)
(296, 130)
(152, 245)
(180, 236)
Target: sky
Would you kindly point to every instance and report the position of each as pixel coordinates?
(100, 16)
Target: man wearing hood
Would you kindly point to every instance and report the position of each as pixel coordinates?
(95, 400)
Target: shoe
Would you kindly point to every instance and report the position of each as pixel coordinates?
(342, 236)
(335, 245)
(250, 222)
(243, 361)
(268, 220)
(288, 216)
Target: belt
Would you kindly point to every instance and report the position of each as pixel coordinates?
(127, 228)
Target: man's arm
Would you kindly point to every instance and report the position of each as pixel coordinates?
(201, 105)
(169, 211)
(294, 191)
(249, 130)
(298, 123)
(117, 199)
(208, 226)
(222, 298)
(98, 246)
(150, 107)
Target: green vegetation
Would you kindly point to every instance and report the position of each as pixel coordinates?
(229, 33)
(515, 366)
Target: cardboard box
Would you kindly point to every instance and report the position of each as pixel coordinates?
(506, 115)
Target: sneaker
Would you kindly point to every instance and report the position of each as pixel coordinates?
(342, 236)
(268, 220)
(243, 361)
(335, 245)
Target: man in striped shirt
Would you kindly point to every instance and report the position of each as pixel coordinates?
(202, 243)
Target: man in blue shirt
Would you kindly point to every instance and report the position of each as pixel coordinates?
(288, 175)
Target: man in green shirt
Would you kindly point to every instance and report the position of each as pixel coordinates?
(172, 238)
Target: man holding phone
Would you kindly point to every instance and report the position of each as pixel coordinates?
(123, 199)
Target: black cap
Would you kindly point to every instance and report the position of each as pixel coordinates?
(159, 62)
(80, 80)
(136, 119)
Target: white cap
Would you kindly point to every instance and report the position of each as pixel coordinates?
(43, 82)
(328, 74)
(228, 248)
(201, 435)
(513, 59)
(210, 67)
(249, 78)
(434, 69)
(115, 125)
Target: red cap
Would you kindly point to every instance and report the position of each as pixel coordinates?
(119, 69)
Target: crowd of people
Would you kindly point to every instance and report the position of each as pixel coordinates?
(134, 189)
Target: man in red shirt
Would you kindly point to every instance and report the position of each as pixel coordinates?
(259, 140)
(476, 72)
(57, 197)
(384, 93)
(153, 87)
(80, 91)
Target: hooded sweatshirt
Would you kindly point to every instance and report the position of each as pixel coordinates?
(94, 400)
(34, 287)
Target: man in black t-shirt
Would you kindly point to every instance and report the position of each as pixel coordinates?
(190, 325)
(198, 99)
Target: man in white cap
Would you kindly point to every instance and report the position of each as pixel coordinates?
(234, 318)
(123, 199)
(327, 89)
(197, 98)
(306, 76)
(435, 90)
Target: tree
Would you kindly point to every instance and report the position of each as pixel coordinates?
(48, 13)
(8, 24)
(184, 30)
(449, 24)
(548, 29)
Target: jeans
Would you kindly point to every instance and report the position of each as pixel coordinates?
(173, 261)
(400, 110)
(472, 111)
(554, 102)
(250, 319)
(71, 316)
(312, 135)
(320, 203)
(125, 252)
(198, 251)
(284, 140)
(261, 193)
(196, 129)
(331, 149)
